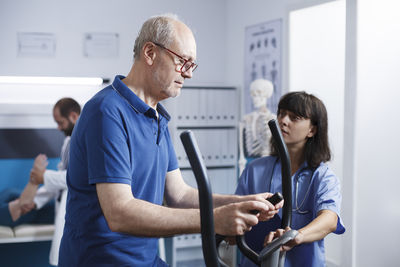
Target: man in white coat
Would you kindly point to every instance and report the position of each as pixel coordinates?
(65, 112)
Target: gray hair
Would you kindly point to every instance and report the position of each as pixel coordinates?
(157, 29)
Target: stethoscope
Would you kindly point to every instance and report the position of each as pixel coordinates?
(298, 175)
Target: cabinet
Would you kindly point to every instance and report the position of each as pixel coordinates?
(212, 114)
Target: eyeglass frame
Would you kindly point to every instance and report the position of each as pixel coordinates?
(192, 66)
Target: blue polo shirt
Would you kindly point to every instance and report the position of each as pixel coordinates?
(117, 139)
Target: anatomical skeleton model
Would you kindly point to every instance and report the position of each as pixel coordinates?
(254, 133)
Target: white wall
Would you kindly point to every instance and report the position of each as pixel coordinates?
(69, 20)
(377, 127)
(316, 65)
(239, 15)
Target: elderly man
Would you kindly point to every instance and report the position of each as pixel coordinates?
(122, 163)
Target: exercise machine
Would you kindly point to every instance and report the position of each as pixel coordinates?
(270, 256)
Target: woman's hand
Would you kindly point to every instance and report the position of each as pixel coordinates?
(289, 245)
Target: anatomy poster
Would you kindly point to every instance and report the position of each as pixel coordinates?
(263, 45)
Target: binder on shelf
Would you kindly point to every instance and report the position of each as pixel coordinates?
(211, 113)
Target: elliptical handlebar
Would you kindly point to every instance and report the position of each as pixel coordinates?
(287, 196)
(210, 241)
(205, 199)
(286, 173)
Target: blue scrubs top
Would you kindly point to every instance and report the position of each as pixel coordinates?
(117, 139)
(317, 190)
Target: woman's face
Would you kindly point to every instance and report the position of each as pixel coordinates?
(295, 130)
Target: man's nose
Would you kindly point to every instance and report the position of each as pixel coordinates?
(187, 74)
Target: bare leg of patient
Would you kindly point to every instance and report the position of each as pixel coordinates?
(39, 166)
(15, 209)
(27, 196)
(24, 203)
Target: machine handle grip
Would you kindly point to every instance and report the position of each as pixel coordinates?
(205, 199)
(209, 239)
(286, 172)
(286, 190)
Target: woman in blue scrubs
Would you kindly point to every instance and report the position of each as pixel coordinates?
(316, 193)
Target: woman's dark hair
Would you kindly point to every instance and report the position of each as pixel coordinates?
(310, 107)
(66, 105)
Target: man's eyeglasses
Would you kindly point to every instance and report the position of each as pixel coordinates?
(186, 64)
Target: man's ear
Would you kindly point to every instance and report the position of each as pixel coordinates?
(149, 52)
(73, 116)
